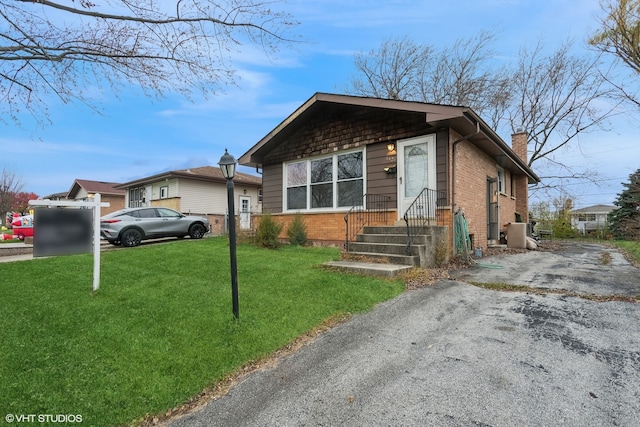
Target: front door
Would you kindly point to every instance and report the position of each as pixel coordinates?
(416, 170)
(245, 213)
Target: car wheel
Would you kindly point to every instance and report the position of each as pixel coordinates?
(131, 237)
(196, 231)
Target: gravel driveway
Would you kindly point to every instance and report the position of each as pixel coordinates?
(455, 354)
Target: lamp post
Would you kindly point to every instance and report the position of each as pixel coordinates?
(227, 165)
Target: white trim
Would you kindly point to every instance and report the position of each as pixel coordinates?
(308, 160)
(245, 216)
(430, 139)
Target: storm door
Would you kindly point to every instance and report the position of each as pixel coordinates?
(416, 171)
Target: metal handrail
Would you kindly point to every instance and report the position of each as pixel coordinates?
(423, 212)
(374, 209)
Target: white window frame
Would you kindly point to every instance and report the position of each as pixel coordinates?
(334, 157)
(164, 192)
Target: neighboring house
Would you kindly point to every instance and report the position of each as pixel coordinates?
(84, 189)
(592, 218)
(336, 151)
(56, 196)
(198, 191)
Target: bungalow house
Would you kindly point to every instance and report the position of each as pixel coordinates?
(337, 153)
(198, 191)
(84, 189)
(56, 196)
(591, 218)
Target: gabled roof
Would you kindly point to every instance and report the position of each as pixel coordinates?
(56, 196)
(462, 119)
(594, 209)
(203, 173)
(94, 187)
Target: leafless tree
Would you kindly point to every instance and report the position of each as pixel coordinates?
(554, 97)
(465, 74)
(393, 71)
(70, 48)
(458, 75)
(10, 185)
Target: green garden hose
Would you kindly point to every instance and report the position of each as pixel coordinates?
(463, 242)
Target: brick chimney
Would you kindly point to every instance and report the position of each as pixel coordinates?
(519, 143)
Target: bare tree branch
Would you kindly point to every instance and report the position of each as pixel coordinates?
(49, 47)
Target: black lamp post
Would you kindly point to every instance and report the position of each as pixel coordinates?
(227, 165)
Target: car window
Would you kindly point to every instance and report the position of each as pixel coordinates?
(134, 214)
(147, 213)
(168, 213)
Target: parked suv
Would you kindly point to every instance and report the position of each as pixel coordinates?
(130, 226)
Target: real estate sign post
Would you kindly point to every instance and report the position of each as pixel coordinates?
(67, 231)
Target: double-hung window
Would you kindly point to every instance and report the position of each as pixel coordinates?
(329, 182)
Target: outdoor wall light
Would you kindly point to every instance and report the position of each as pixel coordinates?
(227, 165)
(391, 169)
(391, 148)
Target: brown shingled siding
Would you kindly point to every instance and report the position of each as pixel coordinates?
(342, 128)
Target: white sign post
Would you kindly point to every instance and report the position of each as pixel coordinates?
(94, 204)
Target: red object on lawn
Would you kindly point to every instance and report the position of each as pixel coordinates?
(23, 232)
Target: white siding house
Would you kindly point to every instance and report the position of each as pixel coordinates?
(198, 191)
(590, 219)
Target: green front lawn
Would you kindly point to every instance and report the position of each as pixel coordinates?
(160, 329)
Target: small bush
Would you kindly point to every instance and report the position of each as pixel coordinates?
(297, 231)
(268, 232)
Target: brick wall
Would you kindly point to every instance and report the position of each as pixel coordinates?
(472, 168)
(519, 143)
(326, 228)
(116, 203)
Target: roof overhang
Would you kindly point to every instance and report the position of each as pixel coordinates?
(462, 119)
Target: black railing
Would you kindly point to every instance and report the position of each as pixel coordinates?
(424, 212)
(373, 210)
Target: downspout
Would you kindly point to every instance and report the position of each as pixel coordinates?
(453, 179)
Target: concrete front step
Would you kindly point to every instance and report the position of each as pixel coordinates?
(384, 229)
(383, 248)
(376, 257)
(369, 268)
(398, 239)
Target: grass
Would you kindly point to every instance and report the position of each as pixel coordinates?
(632, 248)
(160, 329)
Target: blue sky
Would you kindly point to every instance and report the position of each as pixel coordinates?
(137, 136)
